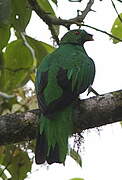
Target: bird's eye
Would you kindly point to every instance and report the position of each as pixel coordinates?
(77, 32)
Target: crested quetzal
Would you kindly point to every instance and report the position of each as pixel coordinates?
(61, 77)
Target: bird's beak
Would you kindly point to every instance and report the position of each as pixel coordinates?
(90, 38)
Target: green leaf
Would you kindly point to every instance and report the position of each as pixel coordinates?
(18, 56)
(2, 174)
(76, 156)
(16, 161)
(45, 5)
(21, 14)
(20, 166)
(117, 29)
(18, 64)
(41, 49)
(5, 10)
(76, 179)
(2, 155)
(1, 59)
(4, 36)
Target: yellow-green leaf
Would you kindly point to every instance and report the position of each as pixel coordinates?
(76, 179)
(18, 63)
(41, 49)
(16, 161)
(5, 10)
(117, 29)
(45, 5)
(17, 56)
(21, 14)
(20, 166)
(2, 174)
(4, 35)
(76, 156)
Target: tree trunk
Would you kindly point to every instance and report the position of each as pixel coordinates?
(89, 113)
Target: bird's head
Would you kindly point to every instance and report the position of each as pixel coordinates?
(77, 36)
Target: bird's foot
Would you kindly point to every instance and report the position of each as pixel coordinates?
(90, 89)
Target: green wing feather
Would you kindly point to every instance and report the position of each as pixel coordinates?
(82, 76)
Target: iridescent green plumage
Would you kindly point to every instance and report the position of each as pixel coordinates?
(61, 77)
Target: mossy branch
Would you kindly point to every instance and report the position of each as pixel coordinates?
(89, 113)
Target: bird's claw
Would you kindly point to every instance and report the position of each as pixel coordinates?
(90, 89)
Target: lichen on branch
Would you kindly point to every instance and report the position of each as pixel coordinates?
(89, 113)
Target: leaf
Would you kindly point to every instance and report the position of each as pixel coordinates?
(18, 64)
(21, 14)
(41, 49)
(76, 156)
(4, 35)
(2, 174)
(76, 179)
(16, 161)
(7, 104)
(117, 29)
(2, 155)
(20, 166)
(5, 10)
(45, 5)
(1, 59)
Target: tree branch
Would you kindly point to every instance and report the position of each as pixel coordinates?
(90, 113)
(49, 19)
(53, 20)
(102, 31)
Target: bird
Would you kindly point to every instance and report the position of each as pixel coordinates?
(61, 77)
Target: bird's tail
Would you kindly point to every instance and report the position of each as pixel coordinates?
(42, 149)
(52, 141)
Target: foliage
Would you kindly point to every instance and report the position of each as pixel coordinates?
(75, 155)
(16, 161)
(117, 28)
(76, 179)
(18, 62)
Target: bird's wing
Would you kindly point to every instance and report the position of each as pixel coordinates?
(40, 84)
(58, 91)
(82, 76)
(60, 85)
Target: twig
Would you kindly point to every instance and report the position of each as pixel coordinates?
(6, 95)
(102, 31)
(46, 17)
(86, 10)
(54, 34)
(28, 45)
(49, 19)
(116, 11)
